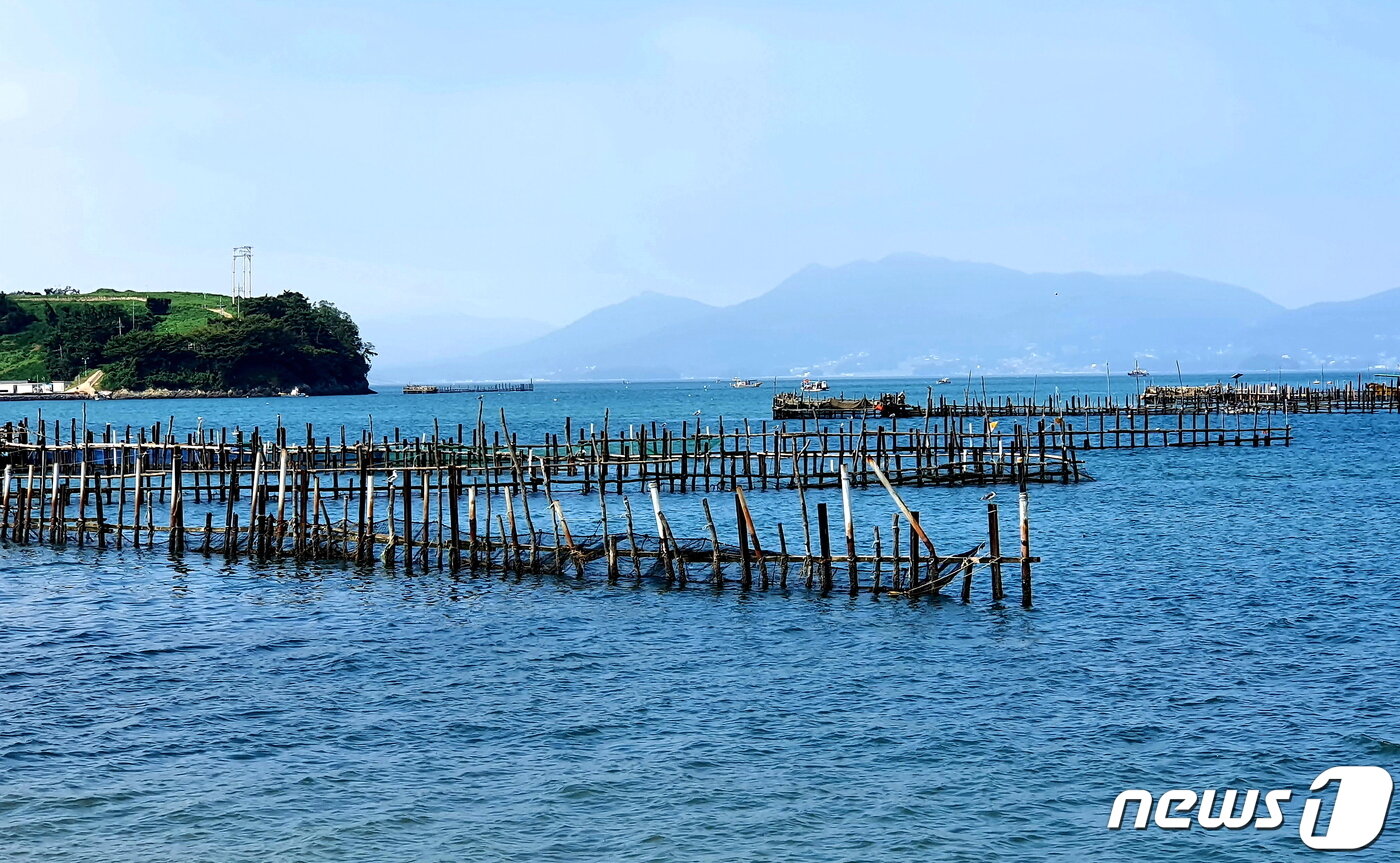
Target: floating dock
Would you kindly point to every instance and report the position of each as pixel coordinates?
(435, 389)
(1381, 396)
(799, 405)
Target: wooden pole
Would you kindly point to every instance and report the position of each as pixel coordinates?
(748, 525)
(994, 547)
(746, 571)
(848, 522)
(824, 533)
(1025, 504)
(718, 577)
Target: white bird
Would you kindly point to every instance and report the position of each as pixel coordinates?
(989, 495)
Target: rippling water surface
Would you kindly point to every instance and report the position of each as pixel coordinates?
(1205, 619)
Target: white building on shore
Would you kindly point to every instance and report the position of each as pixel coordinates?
(15, 388)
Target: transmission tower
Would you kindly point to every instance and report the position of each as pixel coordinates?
(242, 274)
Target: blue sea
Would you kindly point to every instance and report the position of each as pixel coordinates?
(1205, 619)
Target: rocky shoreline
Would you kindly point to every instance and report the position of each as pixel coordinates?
(223, 394)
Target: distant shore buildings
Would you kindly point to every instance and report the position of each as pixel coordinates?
(16, 388)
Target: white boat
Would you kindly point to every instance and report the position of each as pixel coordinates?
(1138, 371)
(811, 386)
(745, 384)
(945, 380)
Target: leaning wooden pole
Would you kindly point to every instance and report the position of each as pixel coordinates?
(908, 516)
(757, 547)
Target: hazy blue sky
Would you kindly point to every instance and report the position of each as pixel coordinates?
(540, 159)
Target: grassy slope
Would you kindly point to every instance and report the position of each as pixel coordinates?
(22, 358)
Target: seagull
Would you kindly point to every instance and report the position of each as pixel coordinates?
(989, 495)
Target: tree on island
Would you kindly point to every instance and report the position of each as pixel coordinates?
(13, 316)
(276, 343)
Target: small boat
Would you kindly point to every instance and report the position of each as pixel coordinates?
(745, 384)
(1138, 371)
(945, 380)
(811, 386)
(296, 393)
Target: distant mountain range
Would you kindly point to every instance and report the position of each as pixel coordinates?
(915, 315)
(442, 346)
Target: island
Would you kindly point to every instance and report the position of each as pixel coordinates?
(178, 344)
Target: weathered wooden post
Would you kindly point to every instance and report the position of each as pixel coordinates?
(848, 522)
(994, 548)
(824, 534)
(1025, 546)
(663, 547)
(718, 577)
(747, 524)
(177, 501)
(454, 490)
(746, 567)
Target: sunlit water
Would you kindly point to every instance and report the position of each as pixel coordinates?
(1205, 618)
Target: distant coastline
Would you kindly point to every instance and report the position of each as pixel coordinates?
(930, 377)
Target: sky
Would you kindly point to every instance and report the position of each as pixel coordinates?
(416, 160)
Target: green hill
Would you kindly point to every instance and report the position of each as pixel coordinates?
(183, 341)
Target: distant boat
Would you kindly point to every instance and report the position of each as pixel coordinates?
(810, 386)
(745, 384)
(1138, 371)
(945, 380)
(295, 393)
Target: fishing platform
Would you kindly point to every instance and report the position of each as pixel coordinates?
(436, 389)
(1359, 396)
